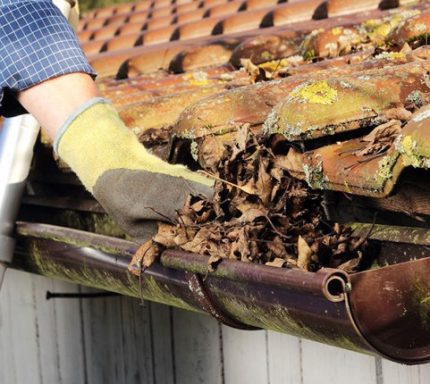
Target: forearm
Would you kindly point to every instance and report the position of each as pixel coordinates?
(53, 101)
(38, 45)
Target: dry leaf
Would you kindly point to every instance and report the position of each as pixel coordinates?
(145, 256)
(304, 254)
(277, 262)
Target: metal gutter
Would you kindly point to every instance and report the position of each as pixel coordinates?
(382, 311)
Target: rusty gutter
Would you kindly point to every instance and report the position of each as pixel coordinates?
(383, 311)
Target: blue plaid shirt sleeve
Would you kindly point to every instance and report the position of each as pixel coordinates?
(36, 44)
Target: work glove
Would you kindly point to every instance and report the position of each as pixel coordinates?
(131, 184)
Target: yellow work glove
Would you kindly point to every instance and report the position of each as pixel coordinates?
(130, 183)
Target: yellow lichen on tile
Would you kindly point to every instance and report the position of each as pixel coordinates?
(317, 92)
(391, 55)
(198, 79)
(275, 65)
(337, 31)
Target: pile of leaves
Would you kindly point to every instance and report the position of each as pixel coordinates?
(259, 214)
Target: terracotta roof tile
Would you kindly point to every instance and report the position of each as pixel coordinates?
(225, 9)
(300, 11)
(162, 12)
(143, 6)
(188, 7)
(95, 23)
(131, 28)
(104, 33)
(345, 103)
(156, 36)
(341, 68)
(160, 22)
(187, 17)
(109, 62)
(138, 17)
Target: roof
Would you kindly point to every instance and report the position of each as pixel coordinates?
(338, 79)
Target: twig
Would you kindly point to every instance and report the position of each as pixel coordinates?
(168, 219)
(364, 238)
(276, 229)
(224, 181)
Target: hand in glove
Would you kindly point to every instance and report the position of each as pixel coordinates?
(129, 182)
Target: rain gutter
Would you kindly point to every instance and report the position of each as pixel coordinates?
(384, 311)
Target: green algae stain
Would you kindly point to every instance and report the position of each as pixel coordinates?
(279, 319)
(316, 92)
(421, 302)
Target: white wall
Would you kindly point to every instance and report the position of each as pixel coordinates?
(116, 340)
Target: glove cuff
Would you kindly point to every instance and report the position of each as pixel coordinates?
(77, 112)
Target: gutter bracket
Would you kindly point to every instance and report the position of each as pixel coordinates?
(200, 293)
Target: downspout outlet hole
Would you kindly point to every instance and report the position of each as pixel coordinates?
(336, 289)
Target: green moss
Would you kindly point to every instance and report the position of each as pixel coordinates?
(159, 292)
(279, 319)
(420, 303)
(385, 167)
(314, 176)
(266, 55)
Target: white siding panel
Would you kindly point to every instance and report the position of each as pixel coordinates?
(137, 355)
(394, 373)
(103, 339)
(47, 331)
(162, 341)
(323, 363)
(197, 348)
(116, 340)
(68, 326)
(245, 356)
(285, 356)
(20, 335)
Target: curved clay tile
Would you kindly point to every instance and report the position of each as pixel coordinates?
(105, 12)
(161, 3)
(105, 33)
(415, 28)
(211, 3)
(156, 36)
(242, 21)
(124, 8)
(342, 7)
(225, 9)
(143, 6)
(139, 17)
(131, 28)
(84, 35)
(150, 61)
(200, 57)
(300, 11)
(120, 42)
(269, 47)
(117, 20)
(160, 22)
(305, 114)
(90, 14)
(200, 28)
(189, 17)
(188, 7)
(92, 47)
(95, 24)
(256, 4)
(162, 12)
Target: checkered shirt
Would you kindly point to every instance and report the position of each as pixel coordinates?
(36, 44)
